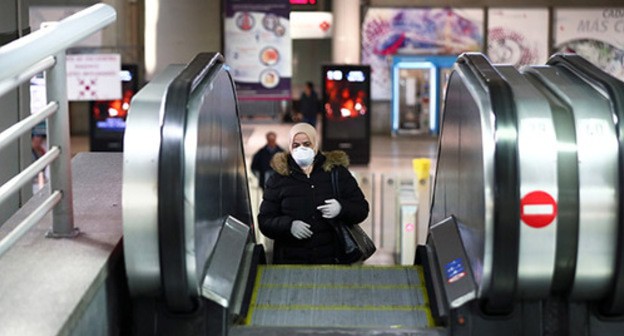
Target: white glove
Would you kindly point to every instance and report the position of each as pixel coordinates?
(331, 208)
(300, 229)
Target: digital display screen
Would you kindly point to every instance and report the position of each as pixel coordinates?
(346, 101)
(110, 115)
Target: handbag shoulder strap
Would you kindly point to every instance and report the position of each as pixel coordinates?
(334, 181)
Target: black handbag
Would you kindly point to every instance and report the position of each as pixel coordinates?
(357, 245)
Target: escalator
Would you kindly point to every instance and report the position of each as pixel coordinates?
(526, 226)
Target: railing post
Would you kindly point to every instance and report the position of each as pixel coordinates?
(59, 135)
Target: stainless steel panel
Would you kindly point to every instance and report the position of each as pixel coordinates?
(223, 270)
(537, 151)
(215, 183)
(140, 178)
(598, 168)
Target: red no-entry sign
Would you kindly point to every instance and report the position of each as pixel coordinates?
(538, 209)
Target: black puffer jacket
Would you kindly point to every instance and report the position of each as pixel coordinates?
(292, 195)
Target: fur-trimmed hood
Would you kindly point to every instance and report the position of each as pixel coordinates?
(335, 158)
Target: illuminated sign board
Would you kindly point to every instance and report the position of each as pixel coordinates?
(346, 110)
(352, 76)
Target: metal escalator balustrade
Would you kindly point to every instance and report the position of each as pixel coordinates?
(614, 89)
(476, 178)
(529, 183)
(597, 150)
(537, 177)
(181, 186)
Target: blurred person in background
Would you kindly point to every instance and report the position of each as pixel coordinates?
(261, 161)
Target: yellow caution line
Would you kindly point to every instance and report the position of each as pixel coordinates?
(254, 296)
(340, 286)
(430, 321)
(376, 267)
(421, 275)
(356, 308)
(354, 326)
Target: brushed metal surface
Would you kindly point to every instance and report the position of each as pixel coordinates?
(223, 270)
(464, 184)
(215, 182)
(597, 148)
(537, 151)
(139, 188)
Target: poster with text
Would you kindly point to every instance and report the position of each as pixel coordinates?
(518, 36)
(595, 34)
(415, 31)
(258, 48)
(93, 77)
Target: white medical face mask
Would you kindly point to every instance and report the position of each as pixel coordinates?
(304, 156)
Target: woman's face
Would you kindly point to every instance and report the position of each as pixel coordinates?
(301, 139)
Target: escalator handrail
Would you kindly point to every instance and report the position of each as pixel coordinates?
(506, 236)
(171, 166)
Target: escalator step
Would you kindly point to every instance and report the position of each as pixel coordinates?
(340, 296)
(344, 318)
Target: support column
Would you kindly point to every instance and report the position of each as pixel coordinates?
(176, 31)
(346, 39)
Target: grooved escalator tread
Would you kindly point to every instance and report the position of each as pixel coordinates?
(340, 296)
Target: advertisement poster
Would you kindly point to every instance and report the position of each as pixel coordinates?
(518, 36)
(415, 31)
(258, 48)
(595, 34)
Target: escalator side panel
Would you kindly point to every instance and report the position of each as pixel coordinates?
(597, 154)
(568, 190)
(463, 185)
(213, 182)
(505, 231)
(172, 207)
(537, 150)
(200, 180)
(489, 108)
(139, 189)
(614, 89)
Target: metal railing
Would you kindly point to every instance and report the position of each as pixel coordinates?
(20, 60)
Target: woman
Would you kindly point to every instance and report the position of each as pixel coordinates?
(299, 205)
